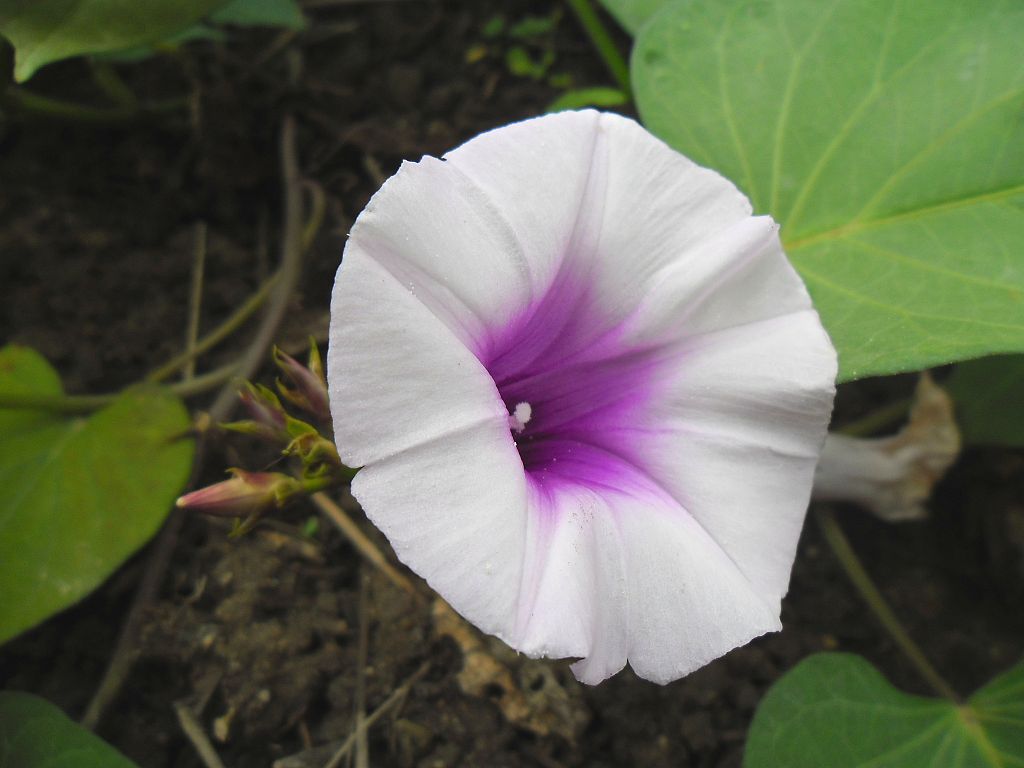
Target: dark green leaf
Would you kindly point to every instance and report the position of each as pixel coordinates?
(80, 494)
(36, 734)
(260, 13)
(989, 397)
(888, 140)
(43, 31)
(837, 711)
(199, 31)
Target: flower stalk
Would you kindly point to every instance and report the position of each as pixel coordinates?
(602, 41)
(860, 579)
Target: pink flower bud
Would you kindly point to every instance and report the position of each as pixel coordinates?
(245, 494)
(306, 388)
(268, 418)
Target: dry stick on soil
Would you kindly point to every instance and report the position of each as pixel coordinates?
(362, 748)
(195, 733)
(125, 651)
(396, 698)
(363, 545)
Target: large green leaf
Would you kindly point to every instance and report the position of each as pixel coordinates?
(989, 397)
(887, 136)
(835, 710)
(78, 495)
(36, 734)
(632, 14)
(43, 31)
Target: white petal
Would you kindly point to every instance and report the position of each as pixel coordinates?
(737, 276)
(633, 576)
(651, 208)
(600, 196)
(398, 375)
(443, 239)
(455, 512)
(736, 438)
(536, 173)
(573, 598)
(689, 603)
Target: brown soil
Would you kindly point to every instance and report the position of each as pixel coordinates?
(96, 244)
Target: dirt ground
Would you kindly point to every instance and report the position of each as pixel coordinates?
(264, 631)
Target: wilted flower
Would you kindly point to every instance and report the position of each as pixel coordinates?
(893, 476)
(587, 391)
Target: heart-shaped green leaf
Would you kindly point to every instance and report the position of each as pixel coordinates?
(43, 31)
(989, 397)
(835, 710)
(632, 14)
(36, 734)
(888, 140)
(78, 495)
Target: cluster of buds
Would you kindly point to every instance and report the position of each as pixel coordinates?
(251, 495)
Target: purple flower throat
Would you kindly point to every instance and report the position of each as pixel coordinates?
(574, 390)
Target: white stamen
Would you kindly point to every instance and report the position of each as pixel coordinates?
(520, 417)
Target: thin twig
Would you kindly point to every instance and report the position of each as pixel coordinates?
(194, 732)
(362, 543)
(74, 404)
(195, 301)
(870, 594)
(314, 221)
(218, 334)
(396, 697)
(41, 106)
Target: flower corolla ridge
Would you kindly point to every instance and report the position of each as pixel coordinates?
(587, 392)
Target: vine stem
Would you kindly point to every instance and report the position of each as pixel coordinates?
(873, 597)
(73, 404)
(218, 334)
(58, 109)
(881, 417)
(195, 301)
(602, 41)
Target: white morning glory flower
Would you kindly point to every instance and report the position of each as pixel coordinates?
(587, 391)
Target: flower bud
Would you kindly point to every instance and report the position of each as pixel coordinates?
(268, 419)
(246, 494)
(306, 388)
